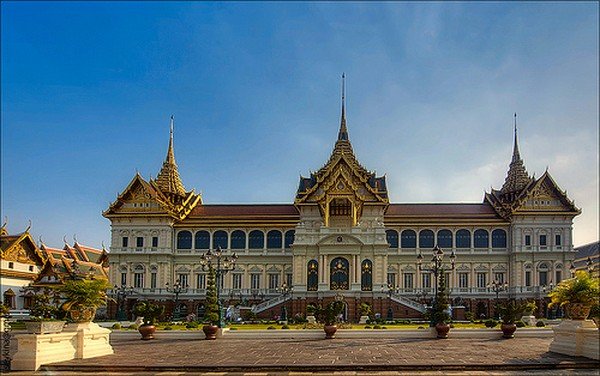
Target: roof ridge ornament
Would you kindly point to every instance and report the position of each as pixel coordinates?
(343, 133)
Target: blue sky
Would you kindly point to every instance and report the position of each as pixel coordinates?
(88, 89)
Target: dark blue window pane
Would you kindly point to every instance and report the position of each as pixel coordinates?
(408, 239)
(366, 279)
(392, 238)
(426, 239)
(202, 240)
(184, 240)
(238, 239)
(220, 239)
(312, 283)
(481, 238)
(444, 239)
(289, 238)
(256, 240)
(498, 238)
(274, 240)
(463, 239)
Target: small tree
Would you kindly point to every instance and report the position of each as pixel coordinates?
(42, 308)
(211, 315)
(365, 309)
(149, 311)
(328, 315)
(438, 313)
(512, 311)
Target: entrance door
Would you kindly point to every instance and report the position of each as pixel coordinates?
(339, 274)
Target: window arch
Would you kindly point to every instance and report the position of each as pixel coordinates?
(238, 239)
(220, 239)
(426, 238)
(498, 238)
(392, 238)
(339, 274)
(312, 281)
(444, 239)
(366, 276)
(289, 238)
(274, 239)
(463, 239)
(202, 240)
(256, 239)
(408, 239)
(184, 240)
(481, 239)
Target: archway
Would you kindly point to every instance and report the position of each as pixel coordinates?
(339, 274)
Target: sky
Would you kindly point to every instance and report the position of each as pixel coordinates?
(88, 89)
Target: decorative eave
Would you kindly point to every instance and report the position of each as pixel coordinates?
(18, 239)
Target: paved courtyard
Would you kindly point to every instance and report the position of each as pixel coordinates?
(176, 354)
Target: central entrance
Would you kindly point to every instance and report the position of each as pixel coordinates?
(339, 274)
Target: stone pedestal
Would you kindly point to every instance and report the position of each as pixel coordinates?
(311, 319)
(363, 319)
(529, 320)
(221, 332)
(577, 338)
(77, 341)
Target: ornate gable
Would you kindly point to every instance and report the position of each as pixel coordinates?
(21, 248)
(545, 196)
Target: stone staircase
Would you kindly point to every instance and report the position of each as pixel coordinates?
(271, 303)
(408, 302)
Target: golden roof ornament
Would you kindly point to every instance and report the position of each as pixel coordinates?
(168, 179)
(517, 177)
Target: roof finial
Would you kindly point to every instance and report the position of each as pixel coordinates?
(75, 238)
(29, 226)
(516, 155)
(168, 179)
(65, 240)
(343, 134)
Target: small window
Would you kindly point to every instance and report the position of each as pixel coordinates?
(558, 276)
(463, 280)
(153, 280)
(273, 281)
(408, 280)
(543, 240)
(426, 280)
(123, 279)
(201, 281)
(528, 278)
(481, 280)
(527, 239)
(392, 238)
(237, 281)
(139, 242)
(11, 265)
(557, 240)
(255, 281)
(154, 241)
(125, 242)
(30, 268)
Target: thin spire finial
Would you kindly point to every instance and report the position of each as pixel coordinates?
(343, 134)
(172, 125)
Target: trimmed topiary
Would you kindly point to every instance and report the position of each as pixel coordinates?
(540, 324)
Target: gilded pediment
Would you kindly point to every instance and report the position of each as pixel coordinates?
(340, 240)
(21, 248)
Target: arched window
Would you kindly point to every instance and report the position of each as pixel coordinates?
(274, 239)
(238, 239)
(184, 240)
(202, 240)
(426, 239)
(220, 239)
(289, 238)
(366, 276)
(392, 238)
(481, 239)
(256, 240)
(498, 238)
(312, 282)
(444, 239)
(463, 239)
(408, 239)
(339, 269)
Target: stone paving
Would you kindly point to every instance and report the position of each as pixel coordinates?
(176, 355)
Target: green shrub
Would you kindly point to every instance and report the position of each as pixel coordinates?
(520, 324)
(285, 327)
(233, 328)
(540, 324)
(383, 327)
(192, 325)
(491, 323)
(421, 327)
(271, 328)
(367, 327)
(168, 328)
(133, 326)
(377, 326)
(116, 326)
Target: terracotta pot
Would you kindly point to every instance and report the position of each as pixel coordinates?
(82, 314)
(147, 331)
(508, 330)
(44, 327)
(210, 331)
(578, 311)
(330, 331)
(442, 330)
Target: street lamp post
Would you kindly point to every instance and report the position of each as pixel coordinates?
(436, 266)
(285, 290)
(122, 292)
(497, 287)
(177, 289)
(221, 264)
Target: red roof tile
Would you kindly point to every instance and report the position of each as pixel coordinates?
(244, 210)
(461, 209)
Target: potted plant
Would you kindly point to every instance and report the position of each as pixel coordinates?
(211, 314)
(42, 315)
(365, 310)
(510, 313)
(4, 313)
(438, 313)
(328, 316)
(577, 295)
(150, 313)
(83, 297)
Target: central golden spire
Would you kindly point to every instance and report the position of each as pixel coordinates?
(517, 177)
(168, 179)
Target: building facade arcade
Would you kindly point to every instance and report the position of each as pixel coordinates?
(341, 237)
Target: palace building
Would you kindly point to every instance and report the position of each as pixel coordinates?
(342, 238)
